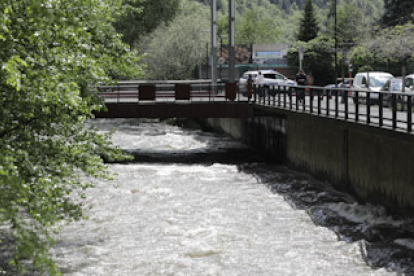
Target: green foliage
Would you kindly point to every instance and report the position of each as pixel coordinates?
(53, 54)
(255, 28)
(286, 14)
(318, 58)
(350, 28)
(140, 17)
(398, 12)
(390, 48)
(172, 51)
(308, 28)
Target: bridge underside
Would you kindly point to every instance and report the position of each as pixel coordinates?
(177, 110)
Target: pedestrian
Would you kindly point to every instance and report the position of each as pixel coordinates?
(250, 78)
(260, 78)
(259, 82)
(249, 86)
(301, 80)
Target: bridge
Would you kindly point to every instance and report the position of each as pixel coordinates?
(202, 99)
(179, 99)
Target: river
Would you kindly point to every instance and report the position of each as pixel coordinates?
(197, 203)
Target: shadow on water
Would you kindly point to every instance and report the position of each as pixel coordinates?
(386, 241)
(229, 156)
(213, 150)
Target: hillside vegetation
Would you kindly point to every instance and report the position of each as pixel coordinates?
(284, 15)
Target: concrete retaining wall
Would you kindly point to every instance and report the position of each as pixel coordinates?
(374, 164)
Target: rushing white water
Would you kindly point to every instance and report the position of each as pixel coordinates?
(180, 219)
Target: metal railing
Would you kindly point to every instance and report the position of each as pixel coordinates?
(382, 109)
(144, 93)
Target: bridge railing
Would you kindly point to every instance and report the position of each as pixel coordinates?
(383, 109)
(143, 93)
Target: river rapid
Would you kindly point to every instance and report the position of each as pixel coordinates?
(197, 203)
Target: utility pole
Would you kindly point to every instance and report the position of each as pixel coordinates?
(232, 65)
(336, 45)
(214, 42)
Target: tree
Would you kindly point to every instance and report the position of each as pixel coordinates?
(318, 58)
(53, 54)
(254, 28)
(394, 45)
(308, 28)
(173, 51)
(398, 12)
(350, 27)
(140, 17)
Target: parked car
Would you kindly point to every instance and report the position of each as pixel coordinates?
(331, 88)
(369, 81)
(409, 81)
(270, 78)
(394, 85)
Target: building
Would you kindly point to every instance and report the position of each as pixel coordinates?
(275, 54)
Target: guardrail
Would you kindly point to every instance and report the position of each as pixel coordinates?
(143, 93)
(380, 109)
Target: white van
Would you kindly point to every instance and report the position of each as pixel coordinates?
(369, 81)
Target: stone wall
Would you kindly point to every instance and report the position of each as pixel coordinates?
(374, 164)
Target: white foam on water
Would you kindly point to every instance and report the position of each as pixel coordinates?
(198, 220)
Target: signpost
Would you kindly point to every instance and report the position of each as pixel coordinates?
(300, 57)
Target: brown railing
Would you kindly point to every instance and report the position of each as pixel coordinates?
(168, 92)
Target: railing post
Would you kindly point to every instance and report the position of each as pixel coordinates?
(254, 93)
(117, 93)
(394, 111)
(279, 91)
(290, 97)
(409, 113)
(368, 102)
(381, 109)
(356, 106)
(268, 96)
(304, 100)
(298, 95)
(346, 104)
(259, 94)
(337, 103)
(264, 94)
(319, 103)
(311, 101)
(327, 104)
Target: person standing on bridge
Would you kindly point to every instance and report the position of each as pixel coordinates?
(301, 80)
(259, 82)
(260, 78)
(249, 86)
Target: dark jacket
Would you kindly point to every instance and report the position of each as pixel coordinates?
(301, 79)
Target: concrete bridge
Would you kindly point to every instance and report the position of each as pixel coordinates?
(364, 149)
